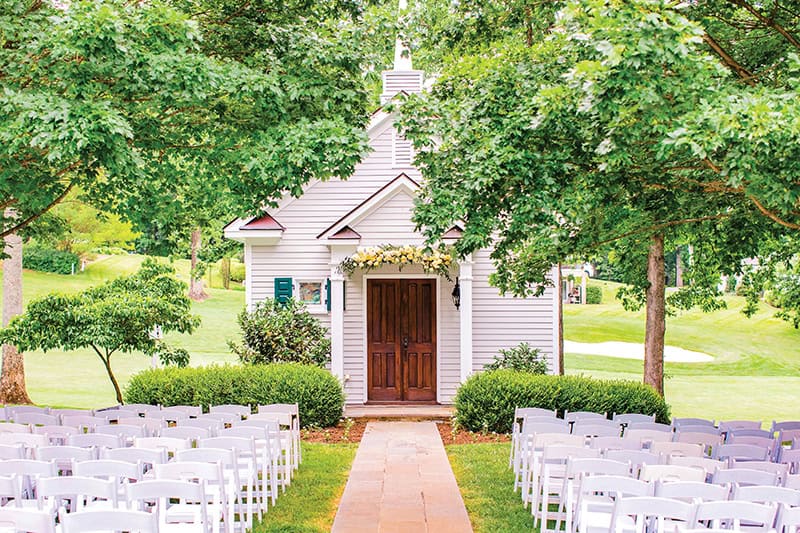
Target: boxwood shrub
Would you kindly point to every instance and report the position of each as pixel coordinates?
(594, 294)
(317, 392)
(486, 401)
(49, 260)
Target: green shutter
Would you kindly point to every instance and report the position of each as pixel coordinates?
(328, 294)
(283, 289)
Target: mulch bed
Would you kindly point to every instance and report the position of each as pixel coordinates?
(351, 430)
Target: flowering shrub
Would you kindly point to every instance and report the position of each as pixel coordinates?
(432, 261)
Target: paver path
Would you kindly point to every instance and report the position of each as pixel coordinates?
(401, 481)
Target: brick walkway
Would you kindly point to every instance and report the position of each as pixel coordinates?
(401, 481)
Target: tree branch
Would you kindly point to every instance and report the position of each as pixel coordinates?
(771, 215)
(663, 225)
(769, 22)
(33, 217)
(734, 65)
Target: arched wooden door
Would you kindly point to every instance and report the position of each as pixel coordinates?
(401, 340)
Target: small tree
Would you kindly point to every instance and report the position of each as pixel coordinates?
(281, 332)
(117, 316)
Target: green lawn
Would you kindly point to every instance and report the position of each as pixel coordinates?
(755, 374)
(77, 378)
(309, 504)
(486, 485)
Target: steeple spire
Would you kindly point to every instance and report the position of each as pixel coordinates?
(402, 77)
(402, 55)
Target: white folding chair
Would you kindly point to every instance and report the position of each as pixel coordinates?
(632, 418)
(650, 513)
(190, 433)
(64, 456)
(189, 500)
(730, 515)
(40, 419)
(635, 458)
(12, 451)
(95, 440)
(605, 444)
(151, 425)
(170, 444)
(672, 473)
(116, 520)
(788, 520)
(596, 496)
(144, 457)
(81, 492)
(552, 481)
(577, 469)
(138, 409)
(708, 465)
(243, 411)
(118, 472)
(31, 520)
(689, 491)
(56, 435)
(292, 409)
(11, 427)
(685, 449)
(29, 471)
(213, 480)
(249, 464)
(240, 493)
(531, 453)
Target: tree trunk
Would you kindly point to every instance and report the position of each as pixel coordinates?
(12, 381)
(196, 291)
(225, 270)
(560, 302)
(656, 316)
(678, 269)
(107, 363)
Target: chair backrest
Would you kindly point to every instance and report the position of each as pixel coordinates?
(791, 458)
(781, 469)
(98, 440)
(690, 490)
(558, 453)
(41, 419)
(792, 481)
(633, 418)
(756, 440)
(614, 443)
(635, 458)
(242, 445)
(707, 440)
(193, 471)
(759, 517)
(56, 434)
(222, 418)
(170, 414)
(767, 494)
(12, 451)
(11, 489)
(541, 440)
(62, 453)
(589, 428)
(12, 410)
(645, 509)
(672, 473)
(191, 410)
(538, 424)
(84, 421)
(72, 412)
(584, 415)
(785, 425)
(617, 485)
(688, 421)
(105, 520)
(653, 426)
(126, 431)
(209, 424)
(147, 458)
(185, 432)
(27, 467)
(592, 466)
(12, 427)
(744, 477)
(522, 412)
(139, 409)
(747, 452)
(788, 520)
(732, 425)
(226, 457)
(750, 432)
(118, 471)
(678, 448)
(27, 440)
(700, 428)
(33, 521)
(152, 425)
(165, 490)
(645, 436)
(169, 444)
(284, 419)
(241, 410)
(708, 465)
(54, 489)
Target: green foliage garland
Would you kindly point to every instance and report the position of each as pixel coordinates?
(435, 261)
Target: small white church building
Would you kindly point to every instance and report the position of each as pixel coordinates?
(397, 335)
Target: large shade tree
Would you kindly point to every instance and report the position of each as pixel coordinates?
(129, 100)
(597, 132)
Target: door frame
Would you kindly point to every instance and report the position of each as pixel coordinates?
(400, 275)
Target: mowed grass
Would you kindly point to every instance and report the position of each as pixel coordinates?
(309, 504)
(755, 374)
(78, 379)
(486, 485)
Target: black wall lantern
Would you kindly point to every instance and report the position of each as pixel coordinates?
(456, 294)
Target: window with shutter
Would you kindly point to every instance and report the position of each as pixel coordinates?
(328, 294)
(283, 289)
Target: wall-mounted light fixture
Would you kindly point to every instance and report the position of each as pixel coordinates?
(456, 295)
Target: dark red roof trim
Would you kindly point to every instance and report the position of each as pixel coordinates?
(262, 222)
(346, 233)
(453, 233)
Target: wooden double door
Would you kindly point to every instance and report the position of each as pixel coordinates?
(401, 340)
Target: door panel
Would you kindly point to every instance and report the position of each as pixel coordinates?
(401, 340)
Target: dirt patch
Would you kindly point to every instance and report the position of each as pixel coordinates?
(352, 429)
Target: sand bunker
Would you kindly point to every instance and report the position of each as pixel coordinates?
(632, 350)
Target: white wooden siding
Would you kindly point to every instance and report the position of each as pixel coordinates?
(504, 321)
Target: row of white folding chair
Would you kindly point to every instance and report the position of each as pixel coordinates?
(293, 410)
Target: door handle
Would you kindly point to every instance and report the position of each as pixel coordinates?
(405, 343)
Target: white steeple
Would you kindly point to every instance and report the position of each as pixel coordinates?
(402, 77)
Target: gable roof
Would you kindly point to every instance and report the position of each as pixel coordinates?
(401, 183)
(263, 222)
(262, 229)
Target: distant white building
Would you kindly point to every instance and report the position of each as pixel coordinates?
(396, 335)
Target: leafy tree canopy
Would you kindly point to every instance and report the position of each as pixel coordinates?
(117, 316)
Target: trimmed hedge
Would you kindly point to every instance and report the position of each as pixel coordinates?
(594, 294)
(49, 260)
(486, 401)
(317, 392)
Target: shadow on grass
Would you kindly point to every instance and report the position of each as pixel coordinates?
(310, 502)
(487, 485)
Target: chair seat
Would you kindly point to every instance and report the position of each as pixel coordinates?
(594, 521)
